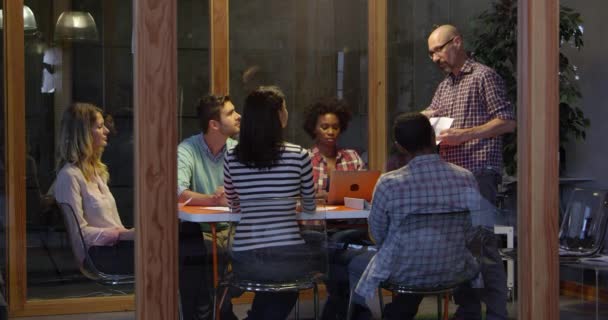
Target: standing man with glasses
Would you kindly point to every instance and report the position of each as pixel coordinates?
(475, 96)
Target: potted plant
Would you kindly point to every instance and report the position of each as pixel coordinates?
(495, 45)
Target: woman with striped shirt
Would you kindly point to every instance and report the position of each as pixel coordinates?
(262, 175)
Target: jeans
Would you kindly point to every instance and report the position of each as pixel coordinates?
(494, 293)
(403, 306)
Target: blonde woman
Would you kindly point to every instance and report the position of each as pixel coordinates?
(82, 183)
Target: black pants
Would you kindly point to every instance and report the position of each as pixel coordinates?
(494, 293)
(403, 307)
(116, 259)
(195, 284)
(194, 292)
(337, 283)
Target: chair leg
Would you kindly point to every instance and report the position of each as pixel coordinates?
(217, 305)
(381, 302)
(349, 309)
(297, 309)
(215, 292)
(439, 309)
(180, 312)
(315, 297)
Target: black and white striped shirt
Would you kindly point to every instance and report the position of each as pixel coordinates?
(263, 198)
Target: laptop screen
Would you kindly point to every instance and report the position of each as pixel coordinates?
(353, 184)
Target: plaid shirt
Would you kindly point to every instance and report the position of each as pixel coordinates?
(473, 97)
(346, 160)
(427, 184)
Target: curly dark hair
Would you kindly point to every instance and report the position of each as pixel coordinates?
(325, 106)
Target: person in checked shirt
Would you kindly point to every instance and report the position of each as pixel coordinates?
(324, 121)
(426, 185)
(475, 96)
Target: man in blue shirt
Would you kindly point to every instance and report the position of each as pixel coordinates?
(200, 177)
(426, 185)
(200, 158)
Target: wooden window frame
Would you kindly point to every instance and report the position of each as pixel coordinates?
(155, 133)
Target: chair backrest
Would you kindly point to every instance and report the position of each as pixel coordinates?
(584, 223)
(80, 251)
(279, 239)
(433, 250)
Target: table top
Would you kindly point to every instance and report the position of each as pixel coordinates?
(562, 180)
(223, 214)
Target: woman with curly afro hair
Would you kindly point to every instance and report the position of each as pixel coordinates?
(324, 121)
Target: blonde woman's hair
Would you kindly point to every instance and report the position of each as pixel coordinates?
(76, 141)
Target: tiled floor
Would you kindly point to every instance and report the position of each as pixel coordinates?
(570, 309)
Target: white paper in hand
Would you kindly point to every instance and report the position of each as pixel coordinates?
(439, 124)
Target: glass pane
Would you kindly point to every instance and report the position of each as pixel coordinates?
(309, 49)
(65, 65)
(582, 159)
(413, 81)
(193, 76)
(192, 61)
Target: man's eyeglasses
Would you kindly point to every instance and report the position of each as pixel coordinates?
(440, 48)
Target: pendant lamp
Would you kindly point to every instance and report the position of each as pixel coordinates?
(76, 26)
(29, 20)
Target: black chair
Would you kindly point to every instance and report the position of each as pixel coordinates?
(81, 254)
(3, 303)
(314, 235)
(426, 237)
(84, 260)
(583, 225)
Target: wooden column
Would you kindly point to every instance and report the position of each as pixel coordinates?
(155, 64)
(219, 57)
(14, 107)
(377, 95)
(538, 115)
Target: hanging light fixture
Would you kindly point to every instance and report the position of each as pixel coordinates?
(76, 26)
(29, 20)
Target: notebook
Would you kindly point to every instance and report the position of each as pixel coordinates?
(353, 184)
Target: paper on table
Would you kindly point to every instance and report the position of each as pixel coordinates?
(217, 208)
(228, 209)
(183, 204)
(440, 124)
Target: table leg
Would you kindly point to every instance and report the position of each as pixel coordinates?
(214, 254)
(215, 273)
